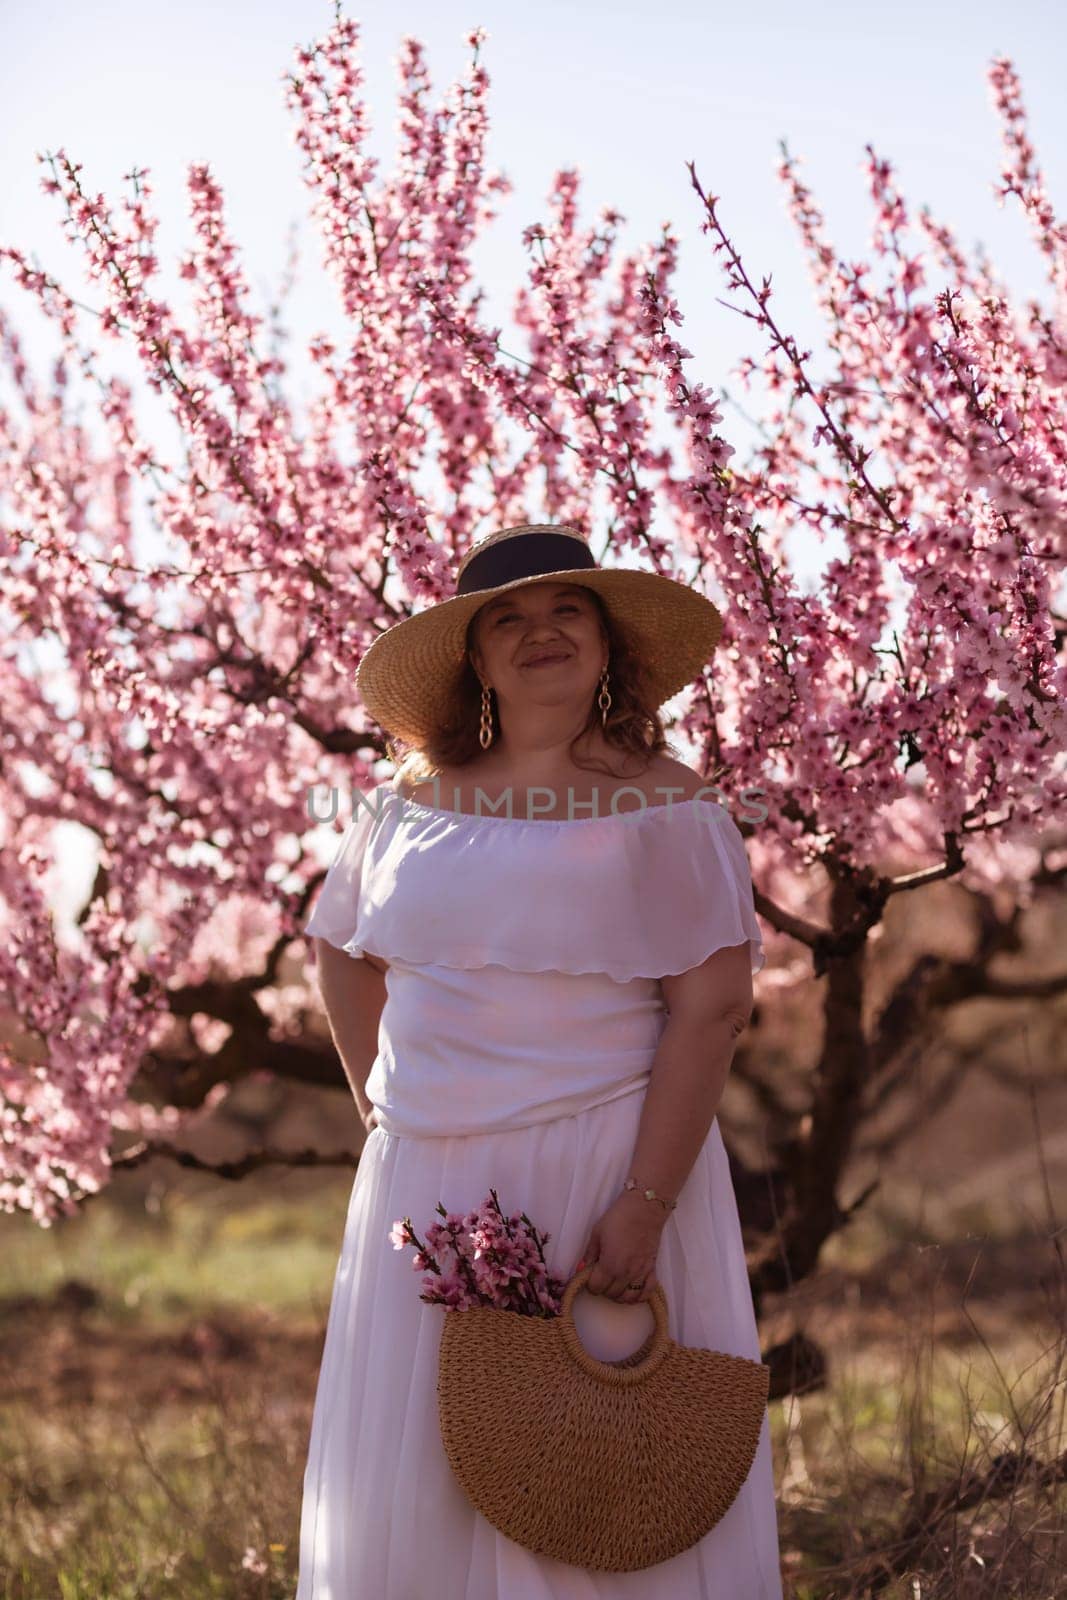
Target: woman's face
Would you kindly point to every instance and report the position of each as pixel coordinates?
(547, 618)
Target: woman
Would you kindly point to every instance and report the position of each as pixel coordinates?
(542, 954)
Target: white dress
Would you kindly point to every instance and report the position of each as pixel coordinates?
(521, 1020)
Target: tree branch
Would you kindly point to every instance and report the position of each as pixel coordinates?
(266, 1156)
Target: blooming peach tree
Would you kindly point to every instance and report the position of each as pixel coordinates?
(181, 622)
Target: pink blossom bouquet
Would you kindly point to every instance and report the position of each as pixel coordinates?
(483, 1259)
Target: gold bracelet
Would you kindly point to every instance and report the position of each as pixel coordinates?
(650, 1194)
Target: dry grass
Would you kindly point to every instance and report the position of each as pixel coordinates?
(161, 1352)
(934, 1464)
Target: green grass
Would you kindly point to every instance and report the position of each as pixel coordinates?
(192, 1249)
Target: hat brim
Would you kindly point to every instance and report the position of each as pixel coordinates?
(408, 677)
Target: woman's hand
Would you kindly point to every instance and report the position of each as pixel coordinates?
(370, 1119)
(623, 1246)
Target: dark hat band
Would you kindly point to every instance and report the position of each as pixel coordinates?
(524, 557)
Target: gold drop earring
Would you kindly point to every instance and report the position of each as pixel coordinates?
(603, 699)
(485, 730)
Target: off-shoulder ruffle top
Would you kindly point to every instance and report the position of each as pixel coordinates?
(642, 893)
(525, 955)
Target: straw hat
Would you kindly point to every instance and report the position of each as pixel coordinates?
(409, 676)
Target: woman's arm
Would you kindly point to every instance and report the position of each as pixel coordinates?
(709, 1008)
(353, 992)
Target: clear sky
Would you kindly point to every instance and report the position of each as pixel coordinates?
(626, 92)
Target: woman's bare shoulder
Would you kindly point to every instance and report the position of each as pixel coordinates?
(660, 780)
(417, 786)
(665, 773)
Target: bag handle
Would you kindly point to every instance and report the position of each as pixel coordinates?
(603, 1370)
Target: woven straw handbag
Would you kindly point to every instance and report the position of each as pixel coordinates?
(609, 1465)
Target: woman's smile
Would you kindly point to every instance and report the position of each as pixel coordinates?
(548, 660)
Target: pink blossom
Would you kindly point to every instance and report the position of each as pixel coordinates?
(487, 1258)
(202, 605)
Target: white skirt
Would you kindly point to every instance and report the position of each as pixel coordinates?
(383, 1516)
